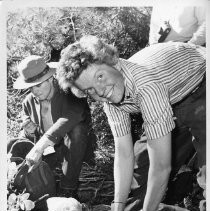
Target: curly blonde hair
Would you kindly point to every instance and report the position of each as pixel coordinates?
(78, 56)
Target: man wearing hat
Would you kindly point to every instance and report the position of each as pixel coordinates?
(52, 120)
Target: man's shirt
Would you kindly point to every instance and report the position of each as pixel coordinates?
(66, 112)
(164, 75)
(187, 23)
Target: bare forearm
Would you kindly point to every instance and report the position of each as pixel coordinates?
(43, 143)
(123, 173)
(156, 187)
(160, 166)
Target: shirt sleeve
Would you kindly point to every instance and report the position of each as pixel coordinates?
(118, 119)
(199, 36)
(155, 24)
(68, 112)
(25, 116)
(156, 110)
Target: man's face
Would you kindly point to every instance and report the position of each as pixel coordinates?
(102, 82)
(43, 90)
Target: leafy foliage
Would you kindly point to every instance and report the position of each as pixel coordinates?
(46, 31)
(16, 200)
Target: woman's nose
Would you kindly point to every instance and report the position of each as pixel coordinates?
(99, 92)
(94, 91)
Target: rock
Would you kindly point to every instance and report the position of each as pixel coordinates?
(62, 204)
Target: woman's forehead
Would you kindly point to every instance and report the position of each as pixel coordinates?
(86, 78)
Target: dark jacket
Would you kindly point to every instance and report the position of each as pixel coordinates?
(66, 109)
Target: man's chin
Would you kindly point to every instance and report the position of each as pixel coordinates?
(41, 98)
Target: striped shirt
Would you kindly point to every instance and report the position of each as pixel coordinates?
(155, 78)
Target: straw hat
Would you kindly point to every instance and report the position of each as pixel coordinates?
(33, 70)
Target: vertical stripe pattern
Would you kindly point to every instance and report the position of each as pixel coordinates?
(155, 78)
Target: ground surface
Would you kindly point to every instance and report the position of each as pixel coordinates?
(96, 187)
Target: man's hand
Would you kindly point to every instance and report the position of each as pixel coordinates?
(34, 156)
(29, 126)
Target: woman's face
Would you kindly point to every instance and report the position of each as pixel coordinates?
(102, 82)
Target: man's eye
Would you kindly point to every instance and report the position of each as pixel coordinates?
(38, 85)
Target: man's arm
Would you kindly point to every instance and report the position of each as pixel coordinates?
(155, 24)
(29, 128)
(199, 36)
(160, 166)
(123, 170)
(37, 151)
(67, 112)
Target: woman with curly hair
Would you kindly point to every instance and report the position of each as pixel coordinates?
(79, 56)
(164, 82)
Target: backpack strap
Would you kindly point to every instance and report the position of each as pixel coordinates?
(19, 178)
(28, 184)
(41, 170)
(43, 176)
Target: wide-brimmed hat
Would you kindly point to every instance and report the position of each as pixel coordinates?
(34, 70)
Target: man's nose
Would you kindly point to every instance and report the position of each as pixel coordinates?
(34, 89)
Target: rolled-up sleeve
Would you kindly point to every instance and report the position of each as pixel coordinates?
(156, 110)
(118, 119)
(62, 126)
(67, 113)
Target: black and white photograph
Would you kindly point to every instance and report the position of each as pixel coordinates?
(106, 105)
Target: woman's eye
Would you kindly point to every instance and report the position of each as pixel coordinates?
(100, 77)
(90, 91)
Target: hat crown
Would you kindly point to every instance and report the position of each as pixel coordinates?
(31, 66)
(33, 70)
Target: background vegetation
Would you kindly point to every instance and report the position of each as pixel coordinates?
(46, 31)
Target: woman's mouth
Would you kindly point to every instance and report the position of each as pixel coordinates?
(109, 93)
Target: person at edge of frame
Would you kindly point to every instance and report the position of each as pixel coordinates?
(178, 23)
(56, 125)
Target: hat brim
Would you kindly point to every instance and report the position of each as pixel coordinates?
(20, 83)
